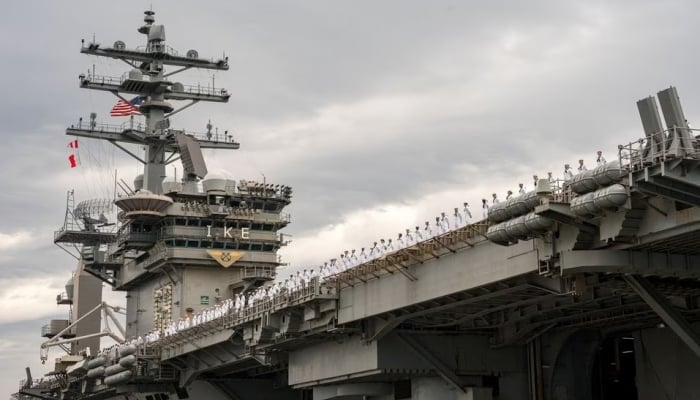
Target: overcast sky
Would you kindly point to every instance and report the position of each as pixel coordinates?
(380, 114)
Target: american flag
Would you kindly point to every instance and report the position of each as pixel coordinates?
(126, 108)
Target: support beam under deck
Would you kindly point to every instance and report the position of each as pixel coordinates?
(668, 314)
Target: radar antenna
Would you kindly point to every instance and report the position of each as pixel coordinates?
(154, 91)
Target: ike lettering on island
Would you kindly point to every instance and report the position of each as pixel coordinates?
(245, 232)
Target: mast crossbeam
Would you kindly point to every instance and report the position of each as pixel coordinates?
(134, 136)
(141, 87)
(148, 57)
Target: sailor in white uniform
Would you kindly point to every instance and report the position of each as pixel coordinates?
(458, 218)
(535, 179)
(550, 178)
(521, 188)
(484, 208)
(444, 223)
(400, 243)
(363, 255)
(495, 200)
(419, 235)
(568, 174)
(601, 159)
(409, 240)
(467, 213)
(374, 251)
(336, 265)
(347, 261)
(509, 194)
(438, 227)
(581, 167)
(353, 258)
(427, 231)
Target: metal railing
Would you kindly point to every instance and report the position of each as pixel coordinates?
(138, 126)
(42, 382)
(285, 299)
(160, 48)
(561, 191)
(213, 137)
(127, 236)
(328, 288)
(253, 272)
(399, 260)
(660, 147)
(102, 255)
(47, 331)
(157, 256)
(62, 298)
(204, 90)
(105, 80)
(88, 125)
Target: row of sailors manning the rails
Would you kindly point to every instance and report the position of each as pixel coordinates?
(442, 225)
(568, 175)
(238, 305)
(347, 260)
(302, 279)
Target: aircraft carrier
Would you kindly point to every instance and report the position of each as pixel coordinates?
(586, 288)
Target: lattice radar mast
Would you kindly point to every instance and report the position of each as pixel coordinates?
(150, 80)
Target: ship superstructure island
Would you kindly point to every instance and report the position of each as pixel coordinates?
(586, 287)
(179, 248)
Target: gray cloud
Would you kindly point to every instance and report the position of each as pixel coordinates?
(359, 105)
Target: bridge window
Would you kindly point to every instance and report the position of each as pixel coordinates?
(402, 389)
